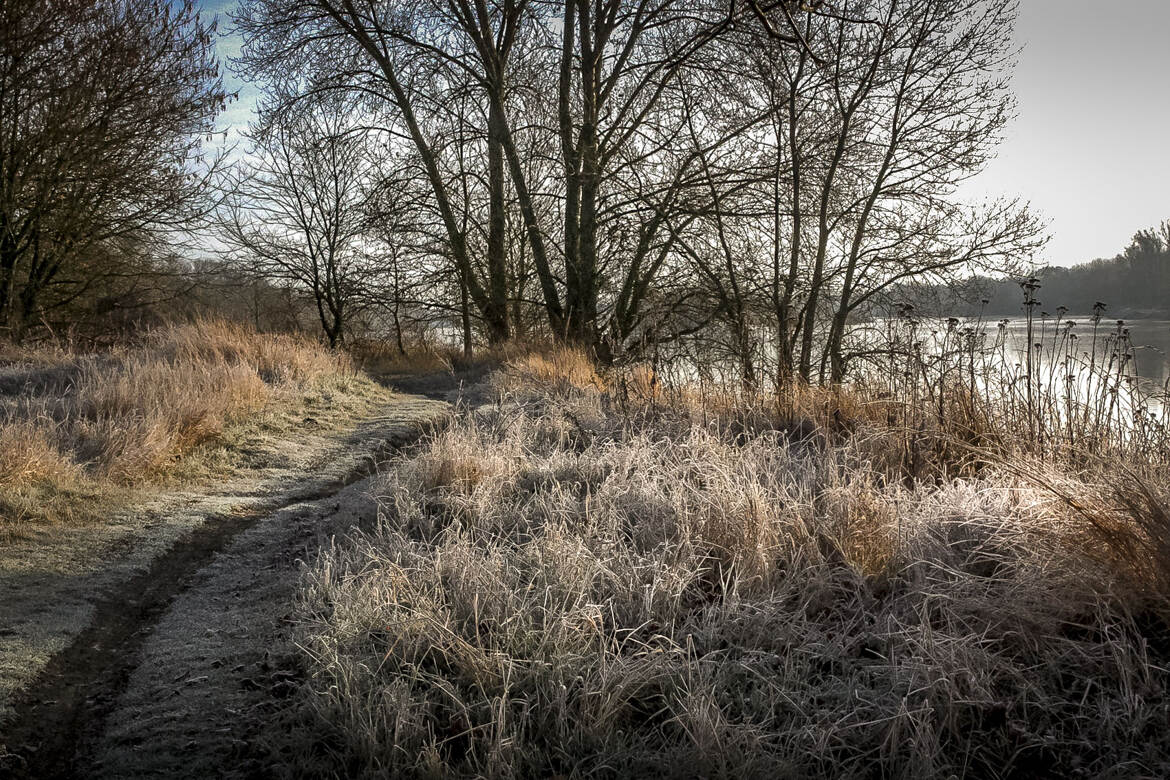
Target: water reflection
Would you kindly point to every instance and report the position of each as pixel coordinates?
(1150, 339)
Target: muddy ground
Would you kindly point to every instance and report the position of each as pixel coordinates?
(155, 646)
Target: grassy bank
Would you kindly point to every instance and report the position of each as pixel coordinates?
(80, 430)
(597, 577)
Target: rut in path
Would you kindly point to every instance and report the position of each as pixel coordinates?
(61, 718)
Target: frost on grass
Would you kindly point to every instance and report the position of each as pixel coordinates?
(75, 425)
(557, 588)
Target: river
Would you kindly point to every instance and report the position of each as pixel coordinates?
(1150, 339)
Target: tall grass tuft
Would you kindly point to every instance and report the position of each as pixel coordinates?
(1072, 387)
(78, 421)
(578, 583)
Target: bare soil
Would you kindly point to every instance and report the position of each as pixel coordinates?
(151, 646)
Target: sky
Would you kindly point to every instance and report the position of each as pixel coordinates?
(227, 45)
(1090, 147)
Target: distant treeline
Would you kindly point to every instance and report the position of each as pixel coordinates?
(1135, 283)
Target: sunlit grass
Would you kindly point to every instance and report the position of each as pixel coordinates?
(78, 430)
(606, 577)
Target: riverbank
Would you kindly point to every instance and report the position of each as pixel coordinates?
(591, 573)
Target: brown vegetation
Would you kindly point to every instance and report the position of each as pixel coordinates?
(573, 583)
(75, 427)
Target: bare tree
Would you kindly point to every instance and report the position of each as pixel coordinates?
(394, 219)
(934, 124)
(886, 107)
(296, 213)
(623, 160)
(401, 56)
(103, 105)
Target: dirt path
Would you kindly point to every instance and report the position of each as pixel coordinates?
(157, 657)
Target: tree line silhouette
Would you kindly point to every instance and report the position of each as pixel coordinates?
(1134, 283)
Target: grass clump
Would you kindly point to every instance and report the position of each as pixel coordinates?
(566, 585)
(383, 358)
(77, 428)
(555, 370)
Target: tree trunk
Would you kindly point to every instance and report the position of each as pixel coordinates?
(496, 312)
(548, 286)
(465, 315)
(7, 284)
(583, 309)
(785, 320)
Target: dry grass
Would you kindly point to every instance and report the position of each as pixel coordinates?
(77, 427)
(382, 358)
(571, 584)
(519, 366)
(556, 370)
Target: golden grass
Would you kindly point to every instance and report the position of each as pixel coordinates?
(74, 424)
(516, 362)
(28, 454)
(573, 584)
(382, 358)
(551, 370)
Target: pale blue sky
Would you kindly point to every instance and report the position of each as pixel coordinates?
(1090, 147)
(227, 45)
